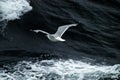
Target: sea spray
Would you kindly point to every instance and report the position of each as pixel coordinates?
(60, 70)
(11, 10)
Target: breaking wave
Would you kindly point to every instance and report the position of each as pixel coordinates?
(13, 9)
(60, 70)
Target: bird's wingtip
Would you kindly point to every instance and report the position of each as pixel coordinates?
(36, 31)
(74, 24)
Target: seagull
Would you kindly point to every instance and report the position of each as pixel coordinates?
(57, 36)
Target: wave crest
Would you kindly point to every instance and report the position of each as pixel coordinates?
(60, 70)
(13, 9)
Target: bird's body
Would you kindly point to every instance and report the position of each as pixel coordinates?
(53, 38)
(57, 36)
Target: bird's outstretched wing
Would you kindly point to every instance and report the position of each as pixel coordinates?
(62, 29)
(36, 31)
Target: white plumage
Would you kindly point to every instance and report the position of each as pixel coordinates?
(57, 36)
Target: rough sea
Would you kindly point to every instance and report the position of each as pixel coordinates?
(91, 50)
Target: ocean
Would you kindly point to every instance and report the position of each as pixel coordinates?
(91, 50)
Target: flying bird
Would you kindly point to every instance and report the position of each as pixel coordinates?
(57, 36)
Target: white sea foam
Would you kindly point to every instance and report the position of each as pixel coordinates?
(59, 70)
(13, 9)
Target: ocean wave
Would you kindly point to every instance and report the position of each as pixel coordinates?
(13, 9)
(60, 70)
